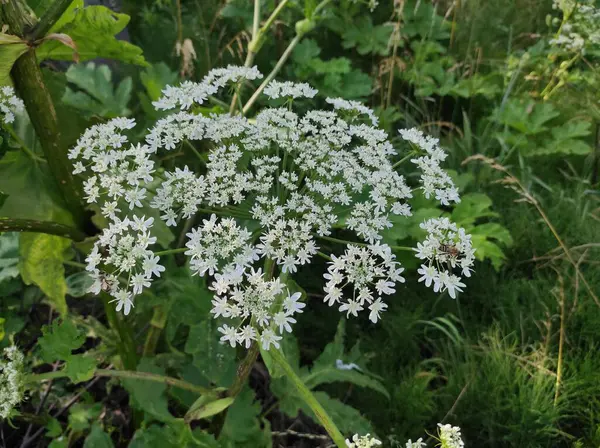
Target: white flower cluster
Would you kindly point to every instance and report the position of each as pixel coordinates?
(189, 93)
(116, 168)
(434, 179)
(580, 27)
(371, 272)
(277, 89)
(10, 105)
(122, 249)
(289, 178)
(446, 247)
(265, 306)
(449, 436)
(353, 106)
(220, 247)
(416, 444)
(12, 387)
(363, 441)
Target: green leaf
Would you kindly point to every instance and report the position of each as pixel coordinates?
(215, 361)
(156, 77)
(346, 418)
(242, 427)
(366, 37)
(53, 428)
(493, 230)
(488, 249)
(80, 368)
(569, 146)
(80, 415)
(59, 340)
(11, 48)
(42, 257)
(176, 434)
(149, 396)
(472, 207)
(97, 95)
(97, 438)
(206, 406)
(93, 30)
(9, 255)
(78, 284)
(32, 192)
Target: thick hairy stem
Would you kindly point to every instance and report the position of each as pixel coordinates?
(128, 374)
(32, 225)
(30, 86)
(310, 400)
(50, 17)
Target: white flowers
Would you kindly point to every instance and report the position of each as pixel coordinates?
(446, 248)
(362, 441)
(371, 271)
(435, 181)
(273, 186)
(219, 246)
(10, 105)
(12, 387)
(276, 89)
(122, 248)
(260, 306)
(449, 436)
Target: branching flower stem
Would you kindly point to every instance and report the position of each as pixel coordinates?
(127, 374)
(310, 400)
(356, 243)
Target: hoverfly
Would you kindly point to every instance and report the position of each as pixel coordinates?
(450, 250)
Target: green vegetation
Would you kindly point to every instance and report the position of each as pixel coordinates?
(511, 89)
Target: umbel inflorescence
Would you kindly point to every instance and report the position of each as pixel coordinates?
(271, 188)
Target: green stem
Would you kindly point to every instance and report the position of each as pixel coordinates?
(403, 159)
(171, 251)
(157, 324)
(22, 144)
(32, 225)
(30, 86)
(50, 17)
(310, 399)
(128, 374)
(282, 60)
(126, 347)
(337, 240)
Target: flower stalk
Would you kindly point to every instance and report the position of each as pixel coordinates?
(310, 400)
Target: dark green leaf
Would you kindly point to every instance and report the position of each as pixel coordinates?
(59, 340)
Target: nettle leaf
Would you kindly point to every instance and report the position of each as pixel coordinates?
(42, 257)
(80, 368)
(59, 340)
(93, 30)
(11, 48)
(149, 396)
(97, 95)
(366, 37)
(97, 438)
(9, 255)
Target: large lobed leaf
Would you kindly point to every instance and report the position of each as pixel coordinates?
(93, 30)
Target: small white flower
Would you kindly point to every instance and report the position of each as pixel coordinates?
(268, 338)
